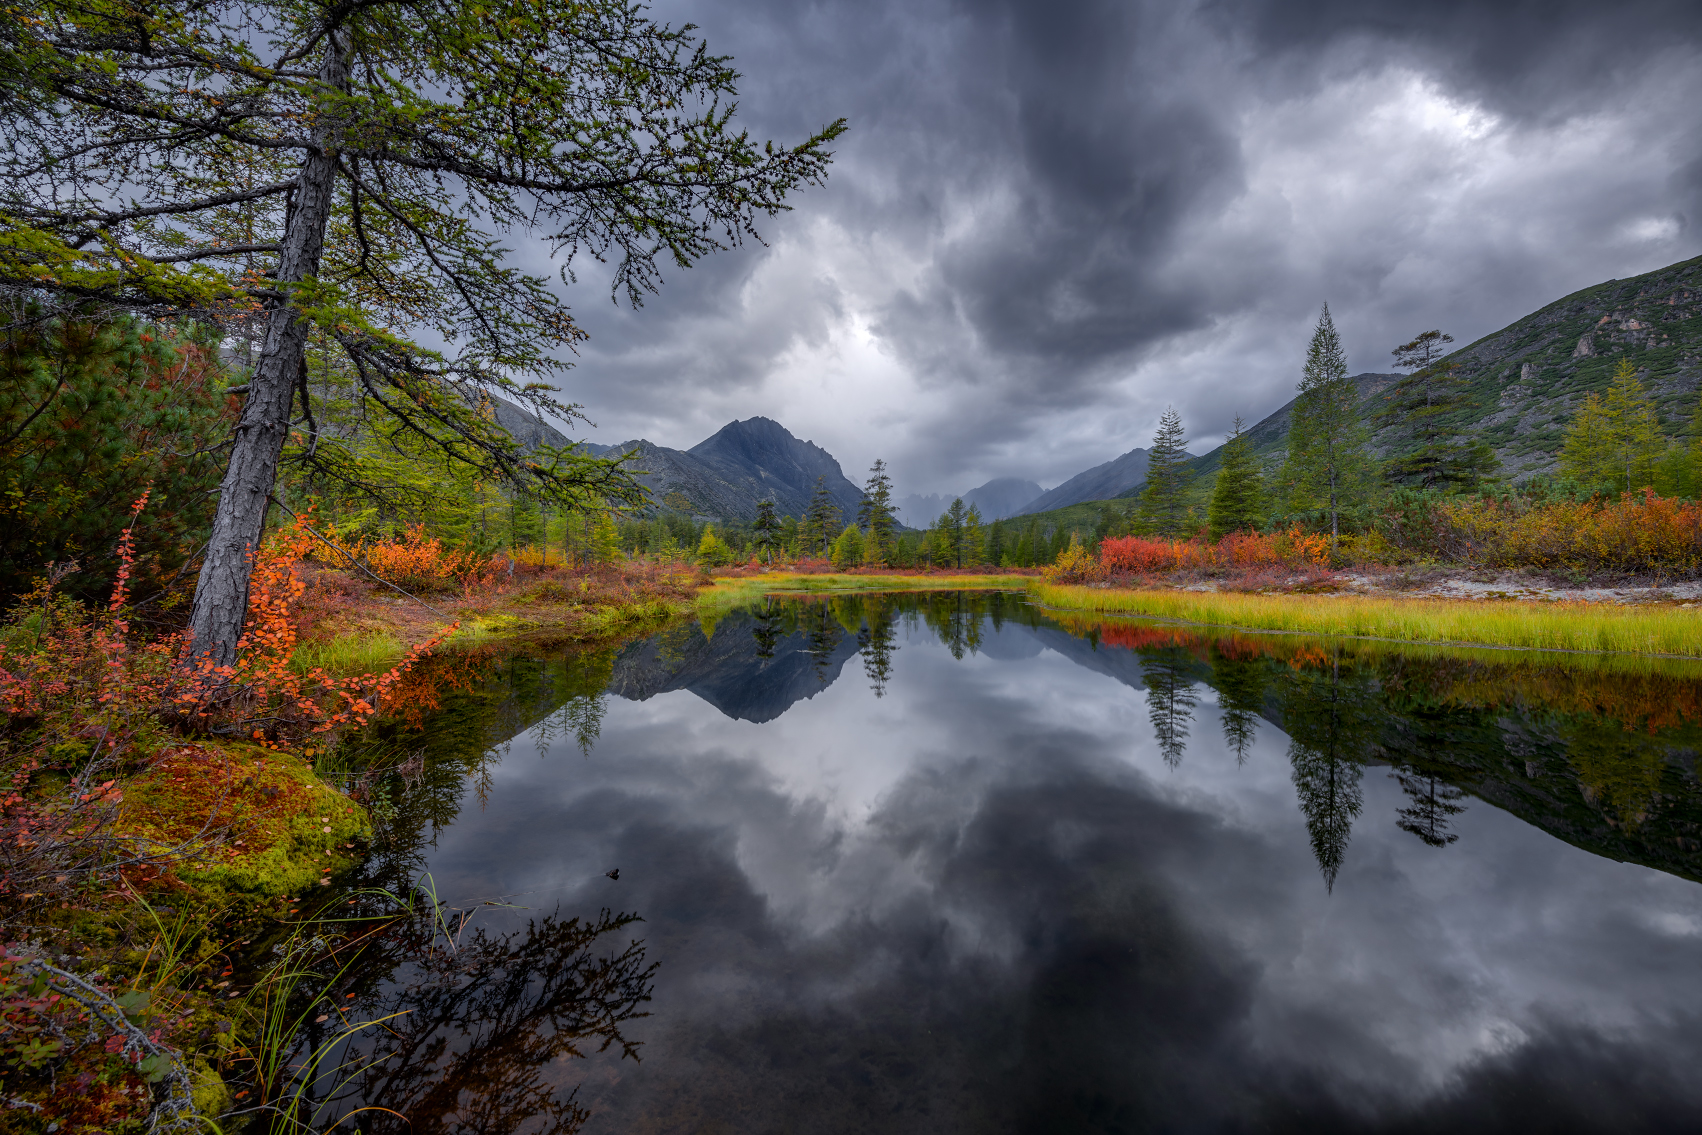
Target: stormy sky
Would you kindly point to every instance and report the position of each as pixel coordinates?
(1051, 219)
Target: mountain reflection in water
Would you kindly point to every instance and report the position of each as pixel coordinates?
(944, 862)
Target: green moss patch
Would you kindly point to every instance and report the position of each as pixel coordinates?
(262, 822)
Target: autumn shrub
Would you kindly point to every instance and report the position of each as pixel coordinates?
(1636, 533)
(1136, 555)
(419, 561)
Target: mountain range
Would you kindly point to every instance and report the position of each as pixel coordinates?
(1523, 383)
(997, 499)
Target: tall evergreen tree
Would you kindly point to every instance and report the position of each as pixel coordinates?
(766, 528)
(91, 414)
(1237, 498)
(874, 515)
(877, 642)
(821, 522)
(1331, 718)
(1431, 809)
(1328, 463)
(1413, 416)
(1240, 684)
(1162, 507)
(952, 530)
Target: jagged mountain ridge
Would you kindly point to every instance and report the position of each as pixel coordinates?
(726, 476)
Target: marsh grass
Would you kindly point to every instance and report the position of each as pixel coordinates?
(357, 652)
(1571, 626)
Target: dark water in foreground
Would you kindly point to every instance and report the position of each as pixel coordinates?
(940, 863)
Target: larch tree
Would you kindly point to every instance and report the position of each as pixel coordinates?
(1328, 463)
(1414, 414)
(1614, 439)
(1237, 498)
(1162, 508)
(346, 173)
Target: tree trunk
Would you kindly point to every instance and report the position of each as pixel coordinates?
(1333, 526)
(221, 592)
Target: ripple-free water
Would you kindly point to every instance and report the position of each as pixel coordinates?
(944, 863)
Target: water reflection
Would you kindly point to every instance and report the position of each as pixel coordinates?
(472, 1023)
(1014, 876)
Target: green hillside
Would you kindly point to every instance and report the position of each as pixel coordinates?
(1526, 380)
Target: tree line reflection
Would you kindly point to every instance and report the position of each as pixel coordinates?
(1599, 752)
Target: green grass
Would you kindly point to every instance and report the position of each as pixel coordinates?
(358, 652)
(1515, 624)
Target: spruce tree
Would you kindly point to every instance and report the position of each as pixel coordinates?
(874, 514)
(1328, 462)
(766, 527)
(952, 529)
(1413, 414)
(1238, 496)
(91, 414)
(1162, 508)
(974, 537)
(821, 522)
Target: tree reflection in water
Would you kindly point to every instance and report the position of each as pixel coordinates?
(481, 1029)
(1331, 722)
(1170, 700)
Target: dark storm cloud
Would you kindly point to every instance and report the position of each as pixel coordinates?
(1051, 219)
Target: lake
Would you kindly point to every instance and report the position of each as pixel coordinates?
(947, 862)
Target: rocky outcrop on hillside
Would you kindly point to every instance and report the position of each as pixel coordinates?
(1529, 377)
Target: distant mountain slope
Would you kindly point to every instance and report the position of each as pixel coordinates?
(1269, 437)
(677, 480)
(1003, 496)
(1102, 482)
(762, 459)
(997, 499)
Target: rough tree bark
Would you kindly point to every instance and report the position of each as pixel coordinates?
(221, 592)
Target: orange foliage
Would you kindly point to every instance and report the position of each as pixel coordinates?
(1639, 532)
(92, 671)
(415, 559)
(1135, 555)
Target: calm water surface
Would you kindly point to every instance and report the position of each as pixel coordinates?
(942, 863)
